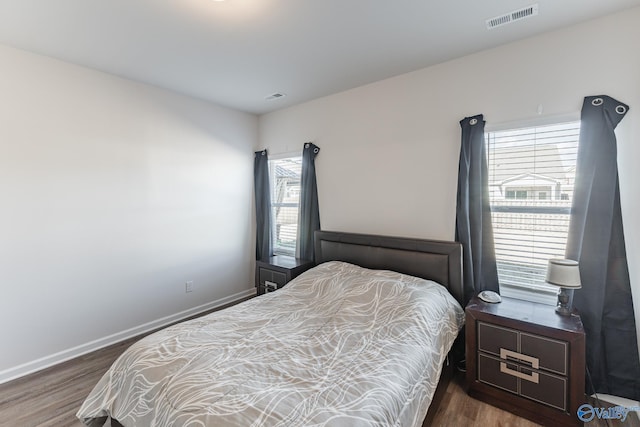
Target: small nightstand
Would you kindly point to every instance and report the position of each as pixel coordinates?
(526, 359)
(276, 271)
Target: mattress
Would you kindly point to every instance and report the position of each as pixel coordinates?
(340, 345)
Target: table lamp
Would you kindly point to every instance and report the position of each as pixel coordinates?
(565, 274)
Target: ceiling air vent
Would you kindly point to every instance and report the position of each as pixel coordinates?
(516, 15)
(274, 96)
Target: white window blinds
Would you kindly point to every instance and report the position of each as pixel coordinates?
(531, 178)
(285, 197)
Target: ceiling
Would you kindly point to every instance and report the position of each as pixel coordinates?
(235, 53)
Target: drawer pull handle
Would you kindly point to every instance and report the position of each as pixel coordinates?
(270, 286)
(534, 377)
(504, 354)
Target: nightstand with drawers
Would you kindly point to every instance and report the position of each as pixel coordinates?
(525, 358)
(276, 271)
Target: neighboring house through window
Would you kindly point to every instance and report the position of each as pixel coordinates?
(531, 178)
(284, 178)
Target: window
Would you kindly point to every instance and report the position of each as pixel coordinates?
(531, 178)
(284, 177)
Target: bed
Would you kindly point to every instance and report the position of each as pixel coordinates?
(358, 340)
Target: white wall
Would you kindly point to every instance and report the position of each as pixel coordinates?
(389, 150)
(112, 195)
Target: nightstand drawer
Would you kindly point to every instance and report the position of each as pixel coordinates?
(266, 275)
(492, 338)
(550, 389)
(530, 383)
(489, 372)
(551, 354)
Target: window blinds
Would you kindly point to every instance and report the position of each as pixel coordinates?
(285, 197)
(531, 178)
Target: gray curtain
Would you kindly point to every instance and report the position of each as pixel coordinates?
(596, 240)
(263, 204)
(473, 213)
(309, 214)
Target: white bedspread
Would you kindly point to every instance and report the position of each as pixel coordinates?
(338, 346)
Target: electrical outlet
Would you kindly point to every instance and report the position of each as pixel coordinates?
(188, 287)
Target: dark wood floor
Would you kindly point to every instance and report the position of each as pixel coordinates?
(457, 409)
(52, 397)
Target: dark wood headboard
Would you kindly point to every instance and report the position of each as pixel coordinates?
(436, 260)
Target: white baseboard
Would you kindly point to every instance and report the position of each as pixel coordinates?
(71, 353)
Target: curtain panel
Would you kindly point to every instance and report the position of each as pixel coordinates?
(596, 241)
(474, 229)
(263, 204)
(309, 213)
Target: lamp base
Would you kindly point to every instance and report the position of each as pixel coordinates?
(564, 302)
(563, 311)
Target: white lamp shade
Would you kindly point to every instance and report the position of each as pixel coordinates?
(564, 273)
